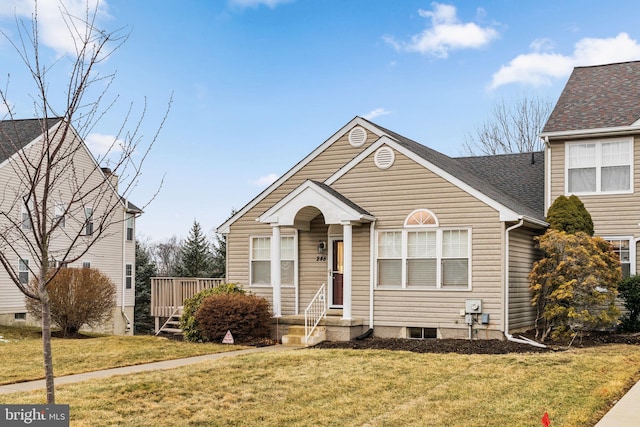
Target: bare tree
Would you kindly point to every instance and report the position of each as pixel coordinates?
(57, 204)
(512, 128)
(166, 256)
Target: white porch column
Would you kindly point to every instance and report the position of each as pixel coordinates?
(346, 278)
(275, 271)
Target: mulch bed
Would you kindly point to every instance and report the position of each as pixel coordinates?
(481, 346)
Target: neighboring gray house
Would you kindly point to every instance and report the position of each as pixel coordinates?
(113, 254)
(592, 151)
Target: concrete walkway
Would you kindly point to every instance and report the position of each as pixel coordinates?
(166, 364)
(625, 413)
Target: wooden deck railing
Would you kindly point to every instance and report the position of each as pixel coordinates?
(169, 293)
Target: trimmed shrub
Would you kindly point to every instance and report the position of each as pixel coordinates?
(78, 297)
(629, 291)
(569, 214)
(188, 322)
(247, 317)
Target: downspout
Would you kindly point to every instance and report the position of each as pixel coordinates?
(124, 269)
(372, 261)
(506, 291)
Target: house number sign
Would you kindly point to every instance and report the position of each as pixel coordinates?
(321, 258)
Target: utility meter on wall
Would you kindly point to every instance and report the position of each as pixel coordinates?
(473, 306)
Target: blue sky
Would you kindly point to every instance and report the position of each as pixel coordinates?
(258, 84)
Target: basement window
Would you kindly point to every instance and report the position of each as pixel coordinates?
(20, 316)
(422, 333)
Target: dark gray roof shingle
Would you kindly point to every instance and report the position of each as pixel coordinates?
(599, 96)
(16, 134)
(511, 180)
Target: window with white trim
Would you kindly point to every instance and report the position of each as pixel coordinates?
(261, 260)
(58, 215)
(599, 166)
(621, 246)
(128, 276)
(423, 255)
(25, 217)
(129, 227)
(88, 225)
(23, 271)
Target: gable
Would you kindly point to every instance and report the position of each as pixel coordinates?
(598, 97)
(337, 156)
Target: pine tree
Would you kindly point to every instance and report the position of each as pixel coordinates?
(145, 270)
(569, 214)
(196, 259)
(220, 256)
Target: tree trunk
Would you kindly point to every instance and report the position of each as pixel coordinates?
(46, 347)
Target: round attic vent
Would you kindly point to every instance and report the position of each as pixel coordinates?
(384, 157)
(357, 136)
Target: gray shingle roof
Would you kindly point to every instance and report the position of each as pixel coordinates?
(16, 134)
(511, 180)
(341, 197)
(598, 97)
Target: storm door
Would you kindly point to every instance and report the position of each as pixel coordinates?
(337, 271)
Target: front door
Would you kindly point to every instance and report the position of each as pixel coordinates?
(337, 270)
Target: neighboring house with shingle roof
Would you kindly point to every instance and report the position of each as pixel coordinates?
(405, 238)
(113, 253)
(593, 151)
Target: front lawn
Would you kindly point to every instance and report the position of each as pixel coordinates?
(21, 353)
(318, 387)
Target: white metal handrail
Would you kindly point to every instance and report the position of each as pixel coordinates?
(315, 311)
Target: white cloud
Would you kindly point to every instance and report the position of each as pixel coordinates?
(445, 34)
(376, 113)
(255, 3)
(539, 69)
(54, 32)
(100, 144)
(265, 181)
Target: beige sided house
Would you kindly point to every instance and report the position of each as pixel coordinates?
(391, 236)
(593, 150)
(113, 254)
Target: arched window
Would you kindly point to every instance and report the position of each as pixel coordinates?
(421, 218)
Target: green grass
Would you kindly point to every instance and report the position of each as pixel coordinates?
(21, 356)
(358, 388)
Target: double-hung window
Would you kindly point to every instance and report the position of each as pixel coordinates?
(23, 271)
(424, 255)
(58, 215)
(599, 166)
(621, 246)
(129, 226)
(88, 225)
(128, 275)
(261, 260)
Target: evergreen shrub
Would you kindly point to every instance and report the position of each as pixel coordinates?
(247, 317)
(629, 291)
(188, 322)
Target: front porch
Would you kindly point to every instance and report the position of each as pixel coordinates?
(318, 323)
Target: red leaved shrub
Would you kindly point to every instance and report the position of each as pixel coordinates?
(246, 316)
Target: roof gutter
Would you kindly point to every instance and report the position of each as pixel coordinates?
(506, 292)
(582, 133)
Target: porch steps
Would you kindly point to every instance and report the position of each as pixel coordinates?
(172, 325)
(296, 333)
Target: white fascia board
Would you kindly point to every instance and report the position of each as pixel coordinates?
(582, 133)
(506, 214)
(357, 121)
(310, 194)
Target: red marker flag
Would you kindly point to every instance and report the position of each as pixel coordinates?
(546, 422)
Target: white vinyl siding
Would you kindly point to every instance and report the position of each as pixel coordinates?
(599, 167)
